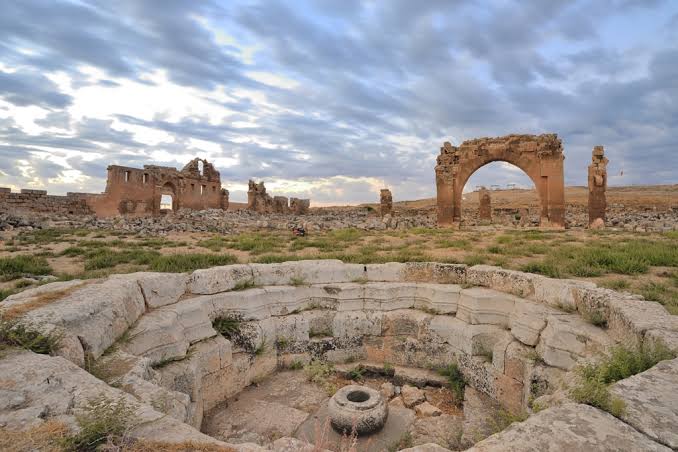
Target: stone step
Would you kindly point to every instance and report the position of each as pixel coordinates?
(400, 375)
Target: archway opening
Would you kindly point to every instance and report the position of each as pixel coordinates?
(166, 202)
(501, 193)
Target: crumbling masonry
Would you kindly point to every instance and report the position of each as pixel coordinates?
(260, 201)
(540, 156)
(597, 187)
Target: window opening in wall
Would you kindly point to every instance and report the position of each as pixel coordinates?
(201, 167)
(202, 189)
(166, 202)
(126, 176)
(192, 187)
(214, 188)
(145, 178)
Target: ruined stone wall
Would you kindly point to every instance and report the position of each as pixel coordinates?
(261, 202)
(39, 201)
(597, 187)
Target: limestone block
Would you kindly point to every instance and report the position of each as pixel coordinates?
(350, 324)
(172, 403)
(568, 427)
(437, 298)
(250, 304)
(158, 336)
(668, 338)
(323, 271)
(193, 317)
(517, 283)
(485, 306)
(559, 293)
(212, 355)
(412, 396)
(341, 296)
(97, 313)
(219, 279)
(517, 362)
(160, 289)
(567, 338)
(528, 320)
(509, 393)
(403, 322)
(630, 318)
(283, 300)
(501, 343)
(469, 339)
(293, 328)
(390, 272)
(389, 296)
(651, 399)
(54, 287)
(434, 272)
(427, 410)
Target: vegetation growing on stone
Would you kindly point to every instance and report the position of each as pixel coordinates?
(455, 380)
(15, 334)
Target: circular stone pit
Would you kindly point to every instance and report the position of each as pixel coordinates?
(357, 408)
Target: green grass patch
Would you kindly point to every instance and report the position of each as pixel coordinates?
(475, 259)
(256, 243)
(24, 265)
(180, 263)
(595, 378)
(216, 243)
(278, 258)
(455, 380)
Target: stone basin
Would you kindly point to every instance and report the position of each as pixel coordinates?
(357, 409)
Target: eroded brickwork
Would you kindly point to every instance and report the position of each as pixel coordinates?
(385, 202)
(485, 205)
(40, 202)
(540, 156)
(597, 187)
(260, 201)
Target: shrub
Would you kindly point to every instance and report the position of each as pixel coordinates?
(455, 379)
(180, 263)
(104, 421)
(24, 265)
(595, 379)
(227, 326)
(14, 334)
(543, 268)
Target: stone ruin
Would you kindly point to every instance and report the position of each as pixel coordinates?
(146, 191)
(385, 202)
(484, 205)
(539, 156)
(167, 344)
(261, 202)
(597, 187)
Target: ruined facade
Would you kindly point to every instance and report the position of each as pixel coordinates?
(539, 156)
(147, 191)
(484, 205)
(260, 201)
(597, 187)
(385, 202)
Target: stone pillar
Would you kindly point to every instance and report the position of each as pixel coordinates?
(300, 206)
(224, 199)
(597, 187)
(386, 201)
(485, 205)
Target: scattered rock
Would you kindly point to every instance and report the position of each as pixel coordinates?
(427, 410)
(412, 396)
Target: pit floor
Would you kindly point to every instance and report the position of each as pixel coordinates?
(286, 404)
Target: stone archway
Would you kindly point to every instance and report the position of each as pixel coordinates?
(539, 156)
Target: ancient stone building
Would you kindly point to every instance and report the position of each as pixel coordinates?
(152, 189)
(484, 205)
(385, 202)
(260, 201)
(539, 156)
(597, 187)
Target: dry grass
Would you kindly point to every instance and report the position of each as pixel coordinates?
(46, 437)
(188, 446)
(38, 301)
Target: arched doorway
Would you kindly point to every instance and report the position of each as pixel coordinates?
(167, 198)
(539, 156)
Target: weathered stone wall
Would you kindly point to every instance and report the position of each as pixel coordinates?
(261, 202)
(39, 201)
(597, 187)
(540, 156)
(300, 206)
(385, 202)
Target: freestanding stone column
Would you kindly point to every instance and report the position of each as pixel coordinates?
(485, 208)
(597, 187)
(386, 201)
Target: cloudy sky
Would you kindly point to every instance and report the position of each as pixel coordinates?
(332, 99)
